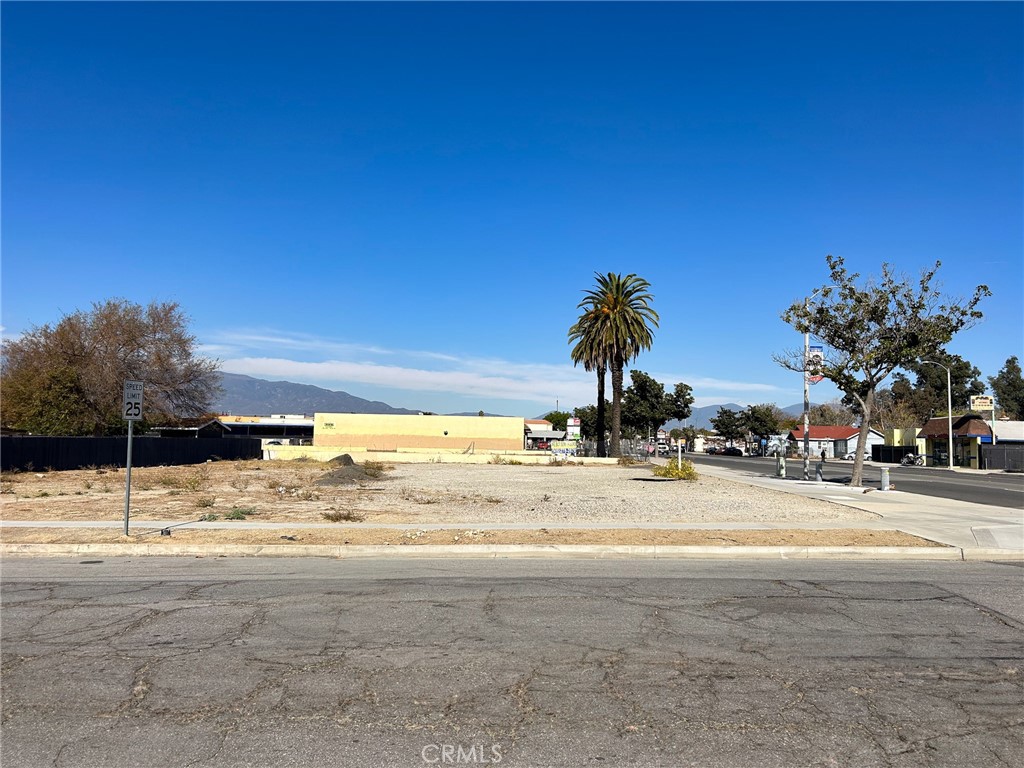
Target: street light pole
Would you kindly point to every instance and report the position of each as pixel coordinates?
(807, 403)
(949, 412)
(807, 388)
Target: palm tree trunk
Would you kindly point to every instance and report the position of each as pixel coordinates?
(616, 448)
(602, 448)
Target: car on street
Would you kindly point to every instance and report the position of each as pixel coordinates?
(732, 450)
(853, 455)
(711, 450)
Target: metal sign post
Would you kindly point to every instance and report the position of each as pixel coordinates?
(132, 412)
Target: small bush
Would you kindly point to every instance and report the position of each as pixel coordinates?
(374, 468)
(206, 501)
(209, 518)
(240, 513)
(627, 461)
(676, 471)
(342, 516)
(240, 483)
(197, 480)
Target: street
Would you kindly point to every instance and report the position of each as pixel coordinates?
(997, 489)
(317, 662)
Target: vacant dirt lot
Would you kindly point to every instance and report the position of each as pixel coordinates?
(555, 499)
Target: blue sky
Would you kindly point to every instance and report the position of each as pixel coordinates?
(406, 201)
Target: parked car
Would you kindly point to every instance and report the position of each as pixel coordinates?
(853, 455)
(711, 449)
(663, 449)
(732, 450)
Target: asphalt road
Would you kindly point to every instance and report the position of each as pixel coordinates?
(998, 489)
(220, 662)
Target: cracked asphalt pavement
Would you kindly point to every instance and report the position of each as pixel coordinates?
(309, 662)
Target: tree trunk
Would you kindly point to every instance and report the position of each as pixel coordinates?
(867, 404)
(616, 448)
(602, 448)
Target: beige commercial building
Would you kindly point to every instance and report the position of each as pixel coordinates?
(412, 433)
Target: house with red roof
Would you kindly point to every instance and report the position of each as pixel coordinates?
(835, 441)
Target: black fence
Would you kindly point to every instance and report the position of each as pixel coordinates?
(1009, 457)
(58, 453)
(890, 454)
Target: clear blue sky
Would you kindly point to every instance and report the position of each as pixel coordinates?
(405, 201)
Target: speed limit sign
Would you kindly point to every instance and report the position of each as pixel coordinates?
(132, 410)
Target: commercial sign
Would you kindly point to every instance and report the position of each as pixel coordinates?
(982, 403)
(572, 429)
(563, 449)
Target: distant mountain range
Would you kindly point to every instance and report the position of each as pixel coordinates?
(249, 396)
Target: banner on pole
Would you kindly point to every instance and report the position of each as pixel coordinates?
(813, 364)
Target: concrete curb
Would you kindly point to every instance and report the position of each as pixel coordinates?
(553, 551)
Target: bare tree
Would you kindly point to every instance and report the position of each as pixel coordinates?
(68, 378)
(873, 328)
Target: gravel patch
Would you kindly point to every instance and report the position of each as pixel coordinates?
(527, 494)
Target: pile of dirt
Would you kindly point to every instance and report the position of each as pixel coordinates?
(347, 472)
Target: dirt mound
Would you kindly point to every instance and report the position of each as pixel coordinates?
(344, 460)
(348, 474)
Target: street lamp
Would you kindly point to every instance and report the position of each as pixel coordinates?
(807, 388)
(949, 411)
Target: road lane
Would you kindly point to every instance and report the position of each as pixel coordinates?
(219, 662)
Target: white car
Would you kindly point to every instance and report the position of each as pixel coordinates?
(853, 455)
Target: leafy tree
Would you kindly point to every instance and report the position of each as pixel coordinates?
(927, 395)
(646, 405)
(729, 424)
(68, 378)
(1008, 387)
(892, 410)
(614, 329)
(558, 419)
(680, 402)
(761, 420)
(831, 414)
(874, 328)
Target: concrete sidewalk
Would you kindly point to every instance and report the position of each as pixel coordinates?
(949, 521)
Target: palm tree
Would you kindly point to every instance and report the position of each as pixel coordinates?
(590, 352)
(612, 331)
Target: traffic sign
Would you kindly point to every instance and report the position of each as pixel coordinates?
(132, 408)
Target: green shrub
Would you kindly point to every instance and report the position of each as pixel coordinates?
(676, 470)
(209, 518)
(240, 513)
